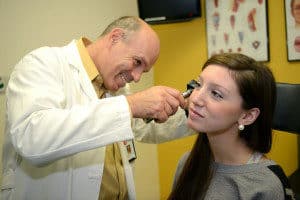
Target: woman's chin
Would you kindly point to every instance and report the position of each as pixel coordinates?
(193, 125)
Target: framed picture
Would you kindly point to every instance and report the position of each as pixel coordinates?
(237, 26)
(292, 23)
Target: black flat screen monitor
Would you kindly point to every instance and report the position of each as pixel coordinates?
(168, 11)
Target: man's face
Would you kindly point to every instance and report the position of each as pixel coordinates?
(129, 58)
(296, 11)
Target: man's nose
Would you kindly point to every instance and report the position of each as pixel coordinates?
(136, 74)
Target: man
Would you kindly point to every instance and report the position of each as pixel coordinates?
(65, 131)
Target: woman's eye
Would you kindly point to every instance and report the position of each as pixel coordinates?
(217, 95)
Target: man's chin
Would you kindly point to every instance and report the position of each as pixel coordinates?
(118, 86)
(112, 88)
(121, 85)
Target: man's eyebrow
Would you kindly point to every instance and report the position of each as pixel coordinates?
(144, 61)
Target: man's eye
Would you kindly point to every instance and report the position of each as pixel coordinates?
(137, 62)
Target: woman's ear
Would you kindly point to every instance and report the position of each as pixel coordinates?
(249, 116)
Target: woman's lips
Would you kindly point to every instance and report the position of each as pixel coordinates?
(297, 44)
(193, 113)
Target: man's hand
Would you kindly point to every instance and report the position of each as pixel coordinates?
(158, 102)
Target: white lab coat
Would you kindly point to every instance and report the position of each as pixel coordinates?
(57, 129)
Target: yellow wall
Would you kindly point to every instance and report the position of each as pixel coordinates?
(183, 51)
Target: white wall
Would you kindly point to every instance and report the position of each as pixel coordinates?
(26, 25)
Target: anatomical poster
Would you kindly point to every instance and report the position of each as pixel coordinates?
(237, 26)
(292, 16)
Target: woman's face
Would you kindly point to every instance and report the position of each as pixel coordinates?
(215, 106)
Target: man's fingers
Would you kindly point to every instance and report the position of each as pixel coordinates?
(177, 95)
(158, 102)
(173, 103)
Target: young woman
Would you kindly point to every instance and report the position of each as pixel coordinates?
(232, 109)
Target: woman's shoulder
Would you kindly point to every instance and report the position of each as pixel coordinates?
(261, 180)
(280, 175)
(182, 161)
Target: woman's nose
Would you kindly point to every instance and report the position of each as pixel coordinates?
(198, 96)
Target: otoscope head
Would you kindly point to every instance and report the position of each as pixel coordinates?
(190, 87)
(192, 84)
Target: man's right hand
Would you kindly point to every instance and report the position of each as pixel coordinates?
(158, 102)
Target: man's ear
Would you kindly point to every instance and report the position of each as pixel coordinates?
(116, 34)
(249, 116)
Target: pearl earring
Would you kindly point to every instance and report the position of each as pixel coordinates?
(241, 127)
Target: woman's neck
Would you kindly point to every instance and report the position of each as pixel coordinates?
(229, 148)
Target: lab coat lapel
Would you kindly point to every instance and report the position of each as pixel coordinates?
(75, 62)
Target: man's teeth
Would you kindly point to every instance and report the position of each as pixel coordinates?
(123, 77)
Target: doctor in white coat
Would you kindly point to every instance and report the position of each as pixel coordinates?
(57, 128)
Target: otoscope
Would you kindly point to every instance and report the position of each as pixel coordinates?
(189, 89)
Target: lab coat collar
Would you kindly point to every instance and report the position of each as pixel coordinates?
(74, 60)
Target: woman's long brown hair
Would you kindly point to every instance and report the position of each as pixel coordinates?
(258, 89)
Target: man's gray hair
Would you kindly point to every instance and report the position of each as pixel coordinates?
(127, 23)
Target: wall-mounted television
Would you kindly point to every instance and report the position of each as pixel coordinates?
(168, 11)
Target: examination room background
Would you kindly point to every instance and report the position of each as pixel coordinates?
(26, 25)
